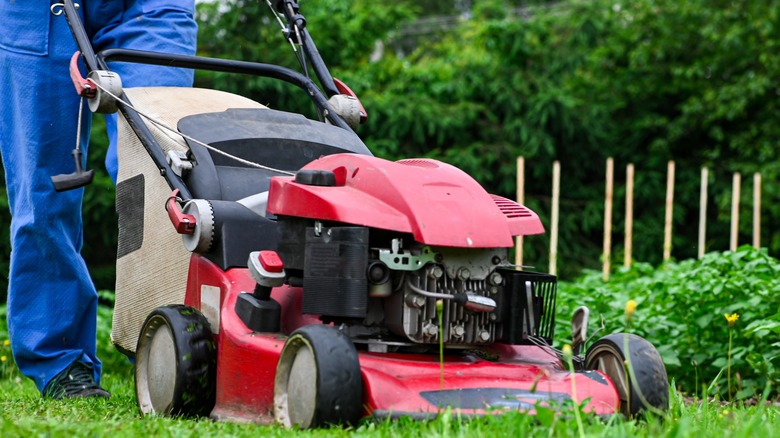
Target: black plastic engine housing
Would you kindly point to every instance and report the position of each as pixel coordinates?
(334, 277)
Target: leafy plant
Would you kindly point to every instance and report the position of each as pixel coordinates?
(680, 308)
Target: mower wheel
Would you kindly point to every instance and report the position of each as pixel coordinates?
(650, 390)
(318, 379)
(175, 363)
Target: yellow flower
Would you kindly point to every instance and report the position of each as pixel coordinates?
(3, 358)
(567, 352)
(6, 342)
(731, 319)
(630, 308)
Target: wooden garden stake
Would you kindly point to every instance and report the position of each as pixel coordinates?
(629, 229)
(520, 199)
(607, 253)
(703, 210)
(556, 193)
(756, 210)
(736, 183)
(669, 206)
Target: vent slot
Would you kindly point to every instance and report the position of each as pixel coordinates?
(511, 209)
(419, 162)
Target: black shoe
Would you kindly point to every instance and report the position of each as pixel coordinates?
(76, 381)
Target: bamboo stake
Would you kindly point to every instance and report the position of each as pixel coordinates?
(520, 200)
(669, 207)
(607, 253)
(629, 231)
(556, 193)
(736, 183)
(757, 210)
(703, 210)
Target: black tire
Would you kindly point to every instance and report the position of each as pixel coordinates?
(651, 389)
(176, 363)
(318, 380)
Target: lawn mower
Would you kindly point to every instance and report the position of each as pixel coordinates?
(271, 269)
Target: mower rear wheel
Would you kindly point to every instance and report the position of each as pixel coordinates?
(318, 379)
(651, 388)
(175, 363)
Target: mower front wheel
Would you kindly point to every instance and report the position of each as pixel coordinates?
(318, 380)
(650, 390)
(175, 363)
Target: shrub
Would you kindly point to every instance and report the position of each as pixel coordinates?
(680, 309)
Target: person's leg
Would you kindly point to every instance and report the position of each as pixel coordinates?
(153, 25)
(52, 303)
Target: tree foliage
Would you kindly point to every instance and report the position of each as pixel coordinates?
(644, 81)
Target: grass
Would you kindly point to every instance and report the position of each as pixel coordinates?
(24, 413)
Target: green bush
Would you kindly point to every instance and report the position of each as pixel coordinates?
(681, 308)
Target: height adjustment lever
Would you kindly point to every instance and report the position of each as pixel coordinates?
(183, 223)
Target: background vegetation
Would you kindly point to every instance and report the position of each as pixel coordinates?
(681, 310)
(478, 83)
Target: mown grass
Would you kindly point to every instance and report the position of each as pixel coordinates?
(25, 413)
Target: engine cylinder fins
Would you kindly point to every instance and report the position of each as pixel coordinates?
(466, 310)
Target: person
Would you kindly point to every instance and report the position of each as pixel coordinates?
(52, 302)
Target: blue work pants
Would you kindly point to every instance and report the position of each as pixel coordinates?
(52, 302)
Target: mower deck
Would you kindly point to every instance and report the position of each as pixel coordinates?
(472, 382)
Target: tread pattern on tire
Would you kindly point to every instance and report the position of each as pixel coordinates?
(196, 364)
(339, 392)
(648, 368)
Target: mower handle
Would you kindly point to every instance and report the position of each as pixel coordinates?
(80, 36)
(296, 27)
(229, 66)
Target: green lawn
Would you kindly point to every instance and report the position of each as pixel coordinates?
(24, 413)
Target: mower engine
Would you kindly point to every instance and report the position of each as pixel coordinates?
(390, 292)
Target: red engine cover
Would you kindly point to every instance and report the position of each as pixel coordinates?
(437, 203)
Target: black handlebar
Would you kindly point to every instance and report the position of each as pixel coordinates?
(296, 30)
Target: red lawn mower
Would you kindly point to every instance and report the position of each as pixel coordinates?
(270, 268)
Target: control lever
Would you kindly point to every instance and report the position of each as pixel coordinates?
(80, 177)
(70, 181)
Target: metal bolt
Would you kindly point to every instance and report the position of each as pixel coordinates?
(464, 274)
(458, 331)
(484, 336)
(496, 279)
(430, 329)
(437, 272)
(415, 300)
(493, 317)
